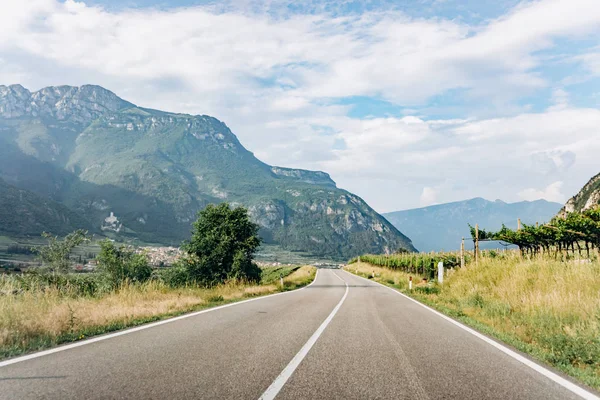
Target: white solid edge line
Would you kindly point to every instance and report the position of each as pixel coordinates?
(141, 328)
(536, 367)
(287, 372)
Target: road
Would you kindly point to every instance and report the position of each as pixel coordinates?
(343, 337)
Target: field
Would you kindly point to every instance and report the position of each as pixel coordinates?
(85, 251)
(267, 253)
(38, 317)
(547, 308)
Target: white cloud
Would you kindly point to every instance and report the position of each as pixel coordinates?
(591, 61)
(403, 59)
(495, 158)
(275, 79)
(560, 100)
(552, 192)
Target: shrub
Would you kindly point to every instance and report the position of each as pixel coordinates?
(175, 276)
(427, 289)
(119, 264)
(55, 255)
(66, 284)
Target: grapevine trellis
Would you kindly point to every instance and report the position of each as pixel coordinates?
(424, 264)
(574, 232)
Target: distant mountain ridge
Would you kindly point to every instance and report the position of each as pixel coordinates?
(441, 227)
(144, 173)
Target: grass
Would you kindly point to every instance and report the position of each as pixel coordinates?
(36, 319)
(543, 307)
(273, 274)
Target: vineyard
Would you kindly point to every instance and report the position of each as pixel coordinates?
(562, 238)
(577, 232)
(424, 264)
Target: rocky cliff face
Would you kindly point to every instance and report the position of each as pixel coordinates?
(64, 103)
(138, 172)
(588, 197)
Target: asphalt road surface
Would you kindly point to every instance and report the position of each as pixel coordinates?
(343, 337)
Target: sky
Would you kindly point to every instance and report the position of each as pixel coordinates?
(405, 103)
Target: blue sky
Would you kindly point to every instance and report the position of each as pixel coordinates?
(468, 10)
(406, 103)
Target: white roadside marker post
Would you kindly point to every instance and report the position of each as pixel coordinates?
(281, 280)
(462, 253)
(410, 283)
(441, 272)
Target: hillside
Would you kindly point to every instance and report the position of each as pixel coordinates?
(145, 173)
(588, 197)
(442, 226)
(23, 213)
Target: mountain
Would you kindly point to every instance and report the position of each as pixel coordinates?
(23, 213)
(588, 197)
(441, 227)
(144, 173)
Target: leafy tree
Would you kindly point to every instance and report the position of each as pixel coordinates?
(121, 263)
(222, 246)
(55, 255)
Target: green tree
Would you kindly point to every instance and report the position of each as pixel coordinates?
(122, 263)
(56, 254)
(222, 246)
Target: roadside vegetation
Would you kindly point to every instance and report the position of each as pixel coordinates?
(424, 264)
(541, 305)
(575, 233)
(50, 305)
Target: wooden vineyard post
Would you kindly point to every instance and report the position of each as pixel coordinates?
(476, 244)
(462, 253)
(519, 224)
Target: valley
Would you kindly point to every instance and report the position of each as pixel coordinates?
(131, 173)
(333, 199)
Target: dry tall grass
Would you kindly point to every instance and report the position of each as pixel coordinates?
(548, 308)
(40, 318)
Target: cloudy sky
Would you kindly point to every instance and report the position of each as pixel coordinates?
(405, 103)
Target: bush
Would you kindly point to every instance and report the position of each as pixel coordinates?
(427, 289)
(66, 284)
(120, 264)
(56, 254)
(175, 276)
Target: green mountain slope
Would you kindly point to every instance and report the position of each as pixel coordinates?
(588, 197)
(23, 213)
(441, 227)
(154, 170)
